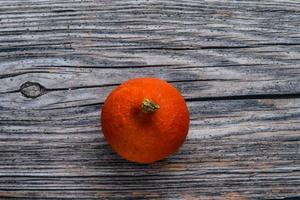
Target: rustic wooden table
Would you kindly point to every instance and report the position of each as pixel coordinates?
(237, 63)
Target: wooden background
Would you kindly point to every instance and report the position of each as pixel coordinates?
(237, 63)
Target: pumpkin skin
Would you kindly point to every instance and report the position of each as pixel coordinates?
(145, 137)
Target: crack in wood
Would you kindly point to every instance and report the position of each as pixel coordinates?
(242, 97)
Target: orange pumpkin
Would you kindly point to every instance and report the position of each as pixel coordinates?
(145, 120)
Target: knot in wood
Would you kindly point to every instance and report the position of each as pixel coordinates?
(32, 89)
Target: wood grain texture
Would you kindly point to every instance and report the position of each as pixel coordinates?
(237, 63)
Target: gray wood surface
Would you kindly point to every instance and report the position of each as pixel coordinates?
(237, 63)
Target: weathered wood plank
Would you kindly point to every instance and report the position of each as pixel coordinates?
(61, 152)
(236, 62)
(230, 48)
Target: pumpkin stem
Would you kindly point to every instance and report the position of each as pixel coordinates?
(148, 106)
